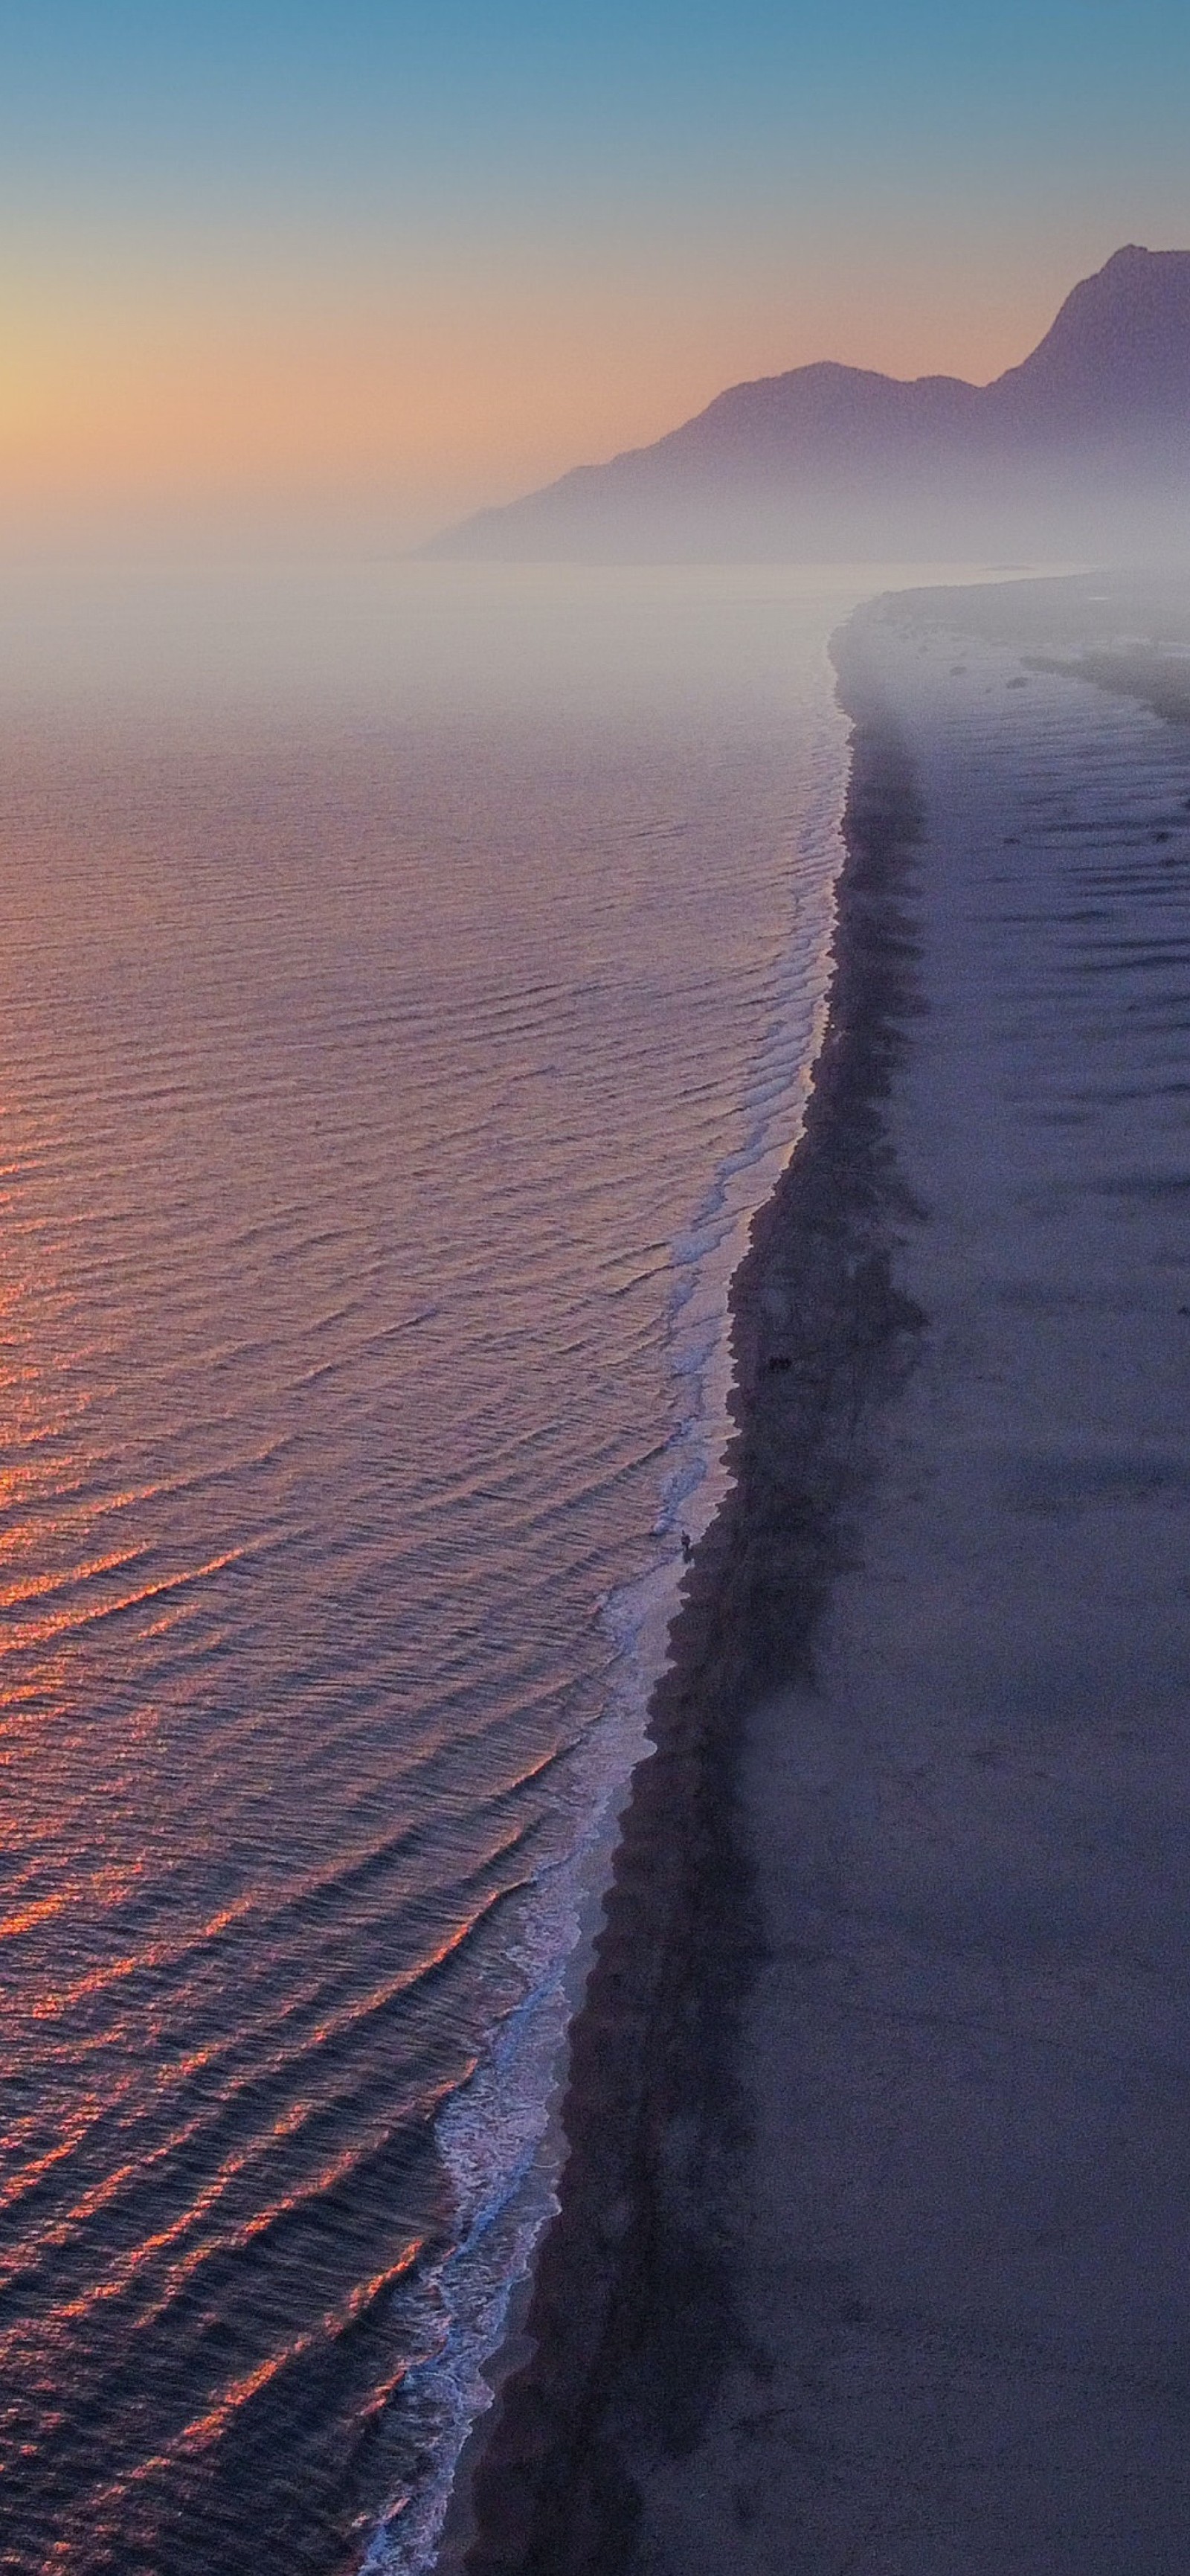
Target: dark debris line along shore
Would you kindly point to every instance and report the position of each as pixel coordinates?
(630, 2316)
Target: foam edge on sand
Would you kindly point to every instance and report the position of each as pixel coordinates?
(631, 2317)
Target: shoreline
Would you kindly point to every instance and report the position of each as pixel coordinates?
(870, 2227)
(622, 2334)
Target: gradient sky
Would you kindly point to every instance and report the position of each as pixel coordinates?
(343, 272)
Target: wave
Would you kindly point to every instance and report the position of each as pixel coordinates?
(500, 2135)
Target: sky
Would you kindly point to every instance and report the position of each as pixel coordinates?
(317, 274)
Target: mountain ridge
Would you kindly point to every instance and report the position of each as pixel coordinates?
(1090, 433)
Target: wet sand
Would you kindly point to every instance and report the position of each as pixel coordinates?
(872, 2250)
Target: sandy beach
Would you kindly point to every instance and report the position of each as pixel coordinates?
(871, 2252)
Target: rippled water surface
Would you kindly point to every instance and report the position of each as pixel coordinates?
(406, 984)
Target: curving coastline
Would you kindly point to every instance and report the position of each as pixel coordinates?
(870, 2236)
(631, 2315)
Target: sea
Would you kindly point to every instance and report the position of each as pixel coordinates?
(409, 981)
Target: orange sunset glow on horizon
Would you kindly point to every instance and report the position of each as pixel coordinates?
(364, 272)
(217, 393)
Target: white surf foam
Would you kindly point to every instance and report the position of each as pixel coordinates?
(500, 2136)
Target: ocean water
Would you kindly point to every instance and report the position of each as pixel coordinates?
(408, 984)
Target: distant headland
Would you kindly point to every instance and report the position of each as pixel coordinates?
(1082, 450)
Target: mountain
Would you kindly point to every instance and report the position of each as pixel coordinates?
(1082, 449)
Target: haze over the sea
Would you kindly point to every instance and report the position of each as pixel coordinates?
(335, 277)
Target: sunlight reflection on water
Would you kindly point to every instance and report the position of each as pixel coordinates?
(393, 960)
